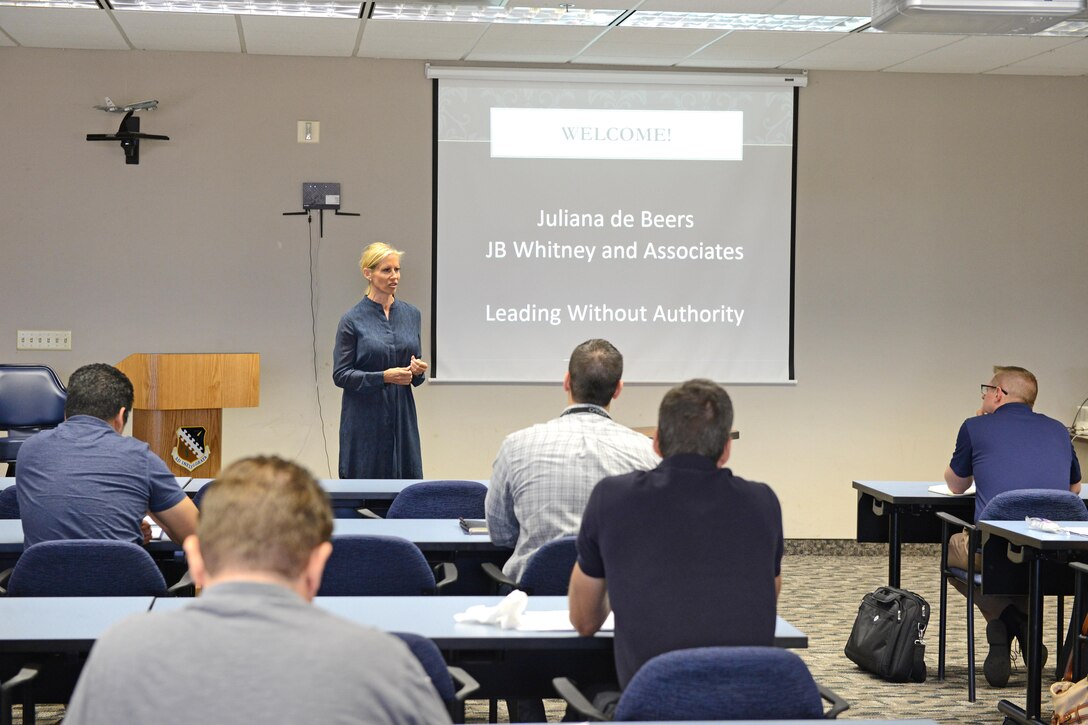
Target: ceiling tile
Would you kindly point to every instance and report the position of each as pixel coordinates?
(180, 31)
(419, 39)
(979, 54)
(850, 8)
(1068, 60)
(871, 51)
(759, 49)
(657, 46)
(267, 35)
(62, 28)
(532, 44)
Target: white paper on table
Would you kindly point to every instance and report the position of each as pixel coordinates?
(942, 488)
(555, 620)
(156, 530)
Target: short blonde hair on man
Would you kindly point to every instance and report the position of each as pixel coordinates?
(1017, 382)
(373, 256)
(263, 514)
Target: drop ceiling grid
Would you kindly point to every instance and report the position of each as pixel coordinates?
(180, 31)
(79, 28)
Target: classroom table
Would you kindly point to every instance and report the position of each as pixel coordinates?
(56, 633)
(344, 493)
(507, 663)
(440, 540)
(353, 493)
(11, 542)
(1038, 549)
(440, 535)
(61, 624)
(443, 536)
(184, 481)
(903, 511)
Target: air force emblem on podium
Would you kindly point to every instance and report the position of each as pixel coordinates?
(190, 451)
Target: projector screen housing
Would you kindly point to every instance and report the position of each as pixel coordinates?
(972, 17)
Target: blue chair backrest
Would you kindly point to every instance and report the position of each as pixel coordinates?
(722, 683)
(372, 565)
(439, 500)
(9, 503)
(1053, 504)
(32, 398)
(86, 568)
(198, 497)
(434, 664)
(548, 570)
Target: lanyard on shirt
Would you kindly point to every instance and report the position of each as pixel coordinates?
(588, 408)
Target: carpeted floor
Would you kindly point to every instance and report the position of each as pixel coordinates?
(820, 596)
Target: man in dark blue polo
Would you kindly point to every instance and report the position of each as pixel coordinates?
(686, 554)
(1007, 447)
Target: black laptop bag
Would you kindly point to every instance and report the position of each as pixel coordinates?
(888, 638)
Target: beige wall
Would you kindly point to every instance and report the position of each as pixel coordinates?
(939, 231)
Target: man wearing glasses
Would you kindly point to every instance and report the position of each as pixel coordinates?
(1007, 447)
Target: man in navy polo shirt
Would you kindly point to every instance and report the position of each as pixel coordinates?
(84, 480)
(1007, 447)
(686, 554)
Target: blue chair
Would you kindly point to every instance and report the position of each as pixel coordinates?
(1054, 504)
(31, 399)
(23, 679)
(437, 500)
(452, 683)
(381, 566)
(547, 572)
(717, 683)
(198, 497)
(85, 568)
(9, 503)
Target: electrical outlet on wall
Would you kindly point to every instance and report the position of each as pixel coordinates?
(43, 340)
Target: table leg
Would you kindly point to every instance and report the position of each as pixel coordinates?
(1033, 700)
(894, 564)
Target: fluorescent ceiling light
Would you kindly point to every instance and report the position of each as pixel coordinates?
(311, 9)
(972, 17)
(1067, 27)
(745, 21)
(50, 4)
(444, 12)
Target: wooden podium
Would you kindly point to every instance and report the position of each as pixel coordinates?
(179, 401)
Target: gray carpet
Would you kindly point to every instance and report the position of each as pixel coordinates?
(820, 595)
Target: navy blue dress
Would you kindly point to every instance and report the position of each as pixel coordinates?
(379, 436)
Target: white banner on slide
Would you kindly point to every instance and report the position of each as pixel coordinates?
(580, 133)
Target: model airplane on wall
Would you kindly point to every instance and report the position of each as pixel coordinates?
(128, 133)
(112, 107)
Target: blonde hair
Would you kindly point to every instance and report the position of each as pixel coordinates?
(263, 514)
(373, 256)
(1018, 383)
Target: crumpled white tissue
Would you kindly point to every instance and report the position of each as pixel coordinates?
(506, 614)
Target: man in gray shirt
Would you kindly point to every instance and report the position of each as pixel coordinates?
(543, 475)
(252, 648)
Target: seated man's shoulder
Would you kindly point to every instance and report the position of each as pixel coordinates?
(141, 633)
(533, 434)
(38, 441)
(755, 489)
